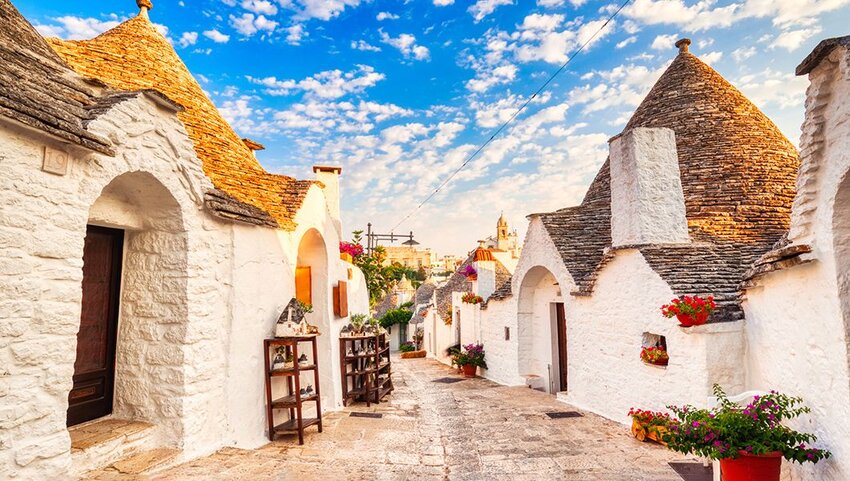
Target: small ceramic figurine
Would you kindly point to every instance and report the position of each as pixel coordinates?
(346, 331)
(289, 320)
(279, 361)
(349, 352)
(309, 390)
(290, 361)
(302, 360)
(303, 391)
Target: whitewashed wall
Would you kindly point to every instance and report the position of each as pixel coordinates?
(797, 319)
(501, 354)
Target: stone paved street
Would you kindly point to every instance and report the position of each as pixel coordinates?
(469, 430)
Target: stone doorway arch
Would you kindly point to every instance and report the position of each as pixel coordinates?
(538, 307)
(313, 256)
(149, 378)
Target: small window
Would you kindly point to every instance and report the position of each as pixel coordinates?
(653, 350)
(507, 333)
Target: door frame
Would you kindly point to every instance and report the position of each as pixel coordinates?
(81, 415)
(561, 342)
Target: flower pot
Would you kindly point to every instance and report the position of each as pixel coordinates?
(469, 370)
(687, 320)
(473, 277)
(346, 257)
(749, 467)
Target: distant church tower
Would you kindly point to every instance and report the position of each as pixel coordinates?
(502, 228)
(505, 240)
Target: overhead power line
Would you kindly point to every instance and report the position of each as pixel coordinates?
(513, 116)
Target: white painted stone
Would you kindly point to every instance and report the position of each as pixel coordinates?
(647, 203)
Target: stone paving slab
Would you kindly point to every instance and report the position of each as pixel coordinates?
(474, 430)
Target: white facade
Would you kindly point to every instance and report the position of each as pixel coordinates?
(198, 294)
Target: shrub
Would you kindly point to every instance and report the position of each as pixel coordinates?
(396, 316)
(407, 347)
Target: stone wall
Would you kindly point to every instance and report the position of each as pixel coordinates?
(797, 318)
(501, 353)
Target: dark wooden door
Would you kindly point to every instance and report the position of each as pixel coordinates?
(94, 368)
(561, 321)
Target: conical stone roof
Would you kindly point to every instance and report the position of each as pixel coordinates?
(135, 56)
(738, 176)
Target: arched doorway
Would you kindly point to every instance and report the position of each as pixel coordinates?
(312, 285)
(542, 330)
(130, 345)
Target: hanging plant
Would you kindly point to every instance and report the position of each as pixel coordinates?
(470, 298)
(470, 272)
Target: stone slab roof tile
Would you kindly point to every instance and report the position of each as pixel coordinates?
(820, 52)
(738, 177)
(135, 56)
(38, 89)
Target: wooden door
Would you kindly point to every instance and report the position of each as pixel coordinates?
(561, 321)
(94, 368)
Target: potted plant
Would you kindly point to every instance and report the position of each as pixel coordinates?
(649, 425)
(750, 441)
(656, 355)
(470, 358)
(470, 272)
(690, 310)
(470, 298)
(407, 347)
(358, 322)
(348, 251)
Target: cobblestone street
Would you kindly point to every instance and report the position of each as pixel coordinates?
(468, 430)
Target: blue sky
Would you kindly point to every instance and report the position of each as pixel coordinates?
(399, 92)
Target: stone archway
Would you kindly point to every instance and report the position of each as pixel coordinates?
(313, 255)
(538, 307)
(149, 379)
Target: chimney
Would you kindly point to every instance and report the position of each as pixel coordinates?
(647, 203)
(683, 45)
(329, 176)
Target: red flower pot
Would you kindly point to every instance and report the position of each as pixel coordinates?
(469, 370)
(749, 467)
(687, 320)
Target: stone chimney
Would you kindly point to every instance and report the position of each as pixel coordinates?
(329, 176)
(683, 45)
(647, 203)
(485, 266)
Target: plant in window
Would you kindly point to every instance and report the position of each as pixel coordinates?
(655, 355)
(690, 310)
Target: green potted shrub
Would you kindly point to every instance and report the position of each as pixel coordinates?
(750, 441)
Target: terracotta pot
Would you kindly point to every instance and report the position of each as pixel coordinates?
(473, 277)
(469, 370)
(686, 320)
(346, 257)
(748, 467)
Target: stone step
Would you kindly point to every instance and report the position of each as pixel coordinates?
(146, 462)
(100, 443)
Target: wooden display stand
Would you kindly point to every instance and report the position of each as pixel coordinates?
(365, 377)
(293, 400)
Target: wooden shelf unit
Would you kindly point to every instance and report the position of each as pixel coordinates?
(293, 401)
(359, 382)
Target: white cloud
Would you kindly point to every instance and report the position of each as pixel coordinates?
(364, 46)
(743, 53)
(664, 42)
(295, 33)
(76, 28)
(248, 24)
(482, 8)
(188, 38)
(217, 36)
(443, 3)
(330, 84)
(541, 22)
(793, 39)
(319, 9)
(263, 7)
(386, 16)
(772, 88)
(406, 44)
(711, 57)
(488, 78)
(627, 41)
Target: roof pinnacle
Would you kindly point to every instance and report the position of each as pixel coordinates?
(682, 45)
(144, 6)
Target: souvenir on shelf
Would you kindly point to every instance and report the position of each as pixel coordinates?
(279, 361)
(349, 352)
(309, 389)
(346, 331)
(289, 322)
(302, 360)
